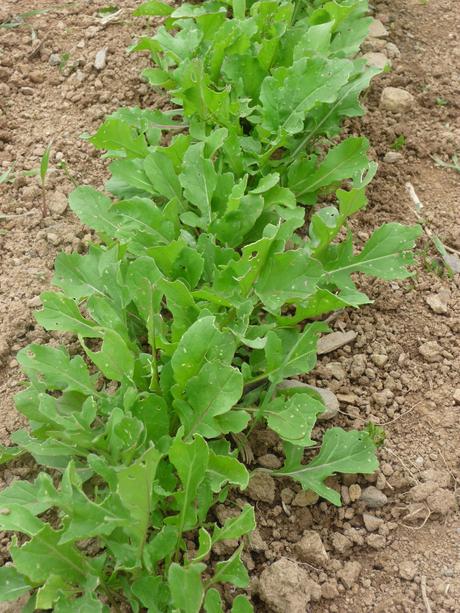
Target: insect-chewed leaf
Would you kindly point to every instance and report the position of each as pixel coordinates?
(213, 601)
(43, 556)
(119, 139)
(202, 341)
(341, 452)
(288, 277)
(289, 352)
(242, 605)
(153, 8)
(199, 180)
(292, 91)
(232, 571)
(115, 359)
(213, 391)
(235, 527)
(294, 419)
(386, 255)
(346, 160)
(226, 469)
(61, 313)
(191, 462)
(53, 369)
(135, 485)
(12, 584)
(93, 209)
(186, 586)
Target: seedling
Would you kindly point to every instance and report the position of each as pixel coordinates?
(43, 172)
(441, 101)
(399, 143)
(454, 165)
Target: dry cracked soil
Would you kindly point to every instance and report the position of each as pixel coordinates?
(394, 546)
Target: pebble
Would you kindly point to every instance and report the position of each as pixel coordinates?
(372, 523)
(377, 29)
(36, 76)
(261, 487)
(335, 340)
(457, 395)
(286, 586)
(396, 100)
(392, 51)
(27, 91)
(305, 498)
(354, 491)
(329, 398)
(349, 574)
(311, 549)
(407, 570)
(379, 359)
(341, 543)
(34, 302)
(376, 541)
(269, 460)
(54, 59)
(373, 498)
(358, 366)
(438, 302)
(329, 590)
(57, 203)
(100, 61)
(53, 238)
(431, 351)
(377, 60)
(393, 157)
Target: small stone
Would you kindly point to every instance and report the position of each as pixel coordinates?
(34, 302)
(354, 491)
(376, 541)
(100, 61)
(287, 495)
(442, 501)
(341, 543)
(53, 238)
(336, 370)
(396, 100)
(373, 498)
(431, 351)
(407, 570)
(377, 29)
(335, 340)
(438, 303)
(54, 59)
(358, 366)
(371, 522)
(57, 203)
(311, 549)
(256, 542)
(457, 395)
(269, 460)
(392, 51)
(27, 91)
(329, 590)
(36, 76)
(305, 498)
(379, 359)
(392, 157)
(261, 487)
(285, 586)
(377, 60)
(349, 574)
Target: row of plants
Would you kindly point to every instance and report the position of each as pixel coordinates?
(224, 240)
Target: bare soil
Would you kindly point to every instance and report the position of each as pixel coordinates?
(408, 547)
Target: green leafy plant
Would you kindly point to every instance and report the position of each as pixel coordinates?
(43, 172)
(399, 143)
(193, 307)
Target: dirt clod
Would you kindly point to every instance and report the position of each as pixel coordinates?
(286, 586)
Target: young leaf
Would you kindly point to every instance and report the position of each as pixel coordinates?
(199, 180)
(213, 601)
(53, 369)
(186, 586)
(153, 8)
(344, 452)
(294, 419)
(12, 584)
(232, 571)
(242, 605)
(61, 313)
(115, 359)
(235, 527)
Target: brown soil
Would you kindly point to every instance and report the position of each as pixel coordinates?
(411, 561)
